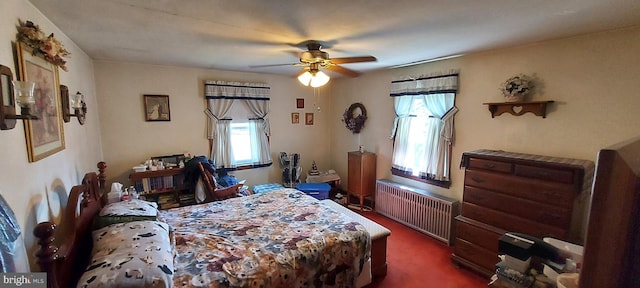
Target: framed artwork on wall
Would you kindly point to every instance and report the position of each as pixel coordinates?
(299, 103)
(45, 136)
(156, 108)
(308, 118)
(295, 118)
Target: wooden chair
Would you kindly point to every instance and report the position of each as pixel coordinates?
(214, 193)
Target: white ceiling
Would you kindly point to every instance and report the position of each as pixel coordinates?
(233, 35)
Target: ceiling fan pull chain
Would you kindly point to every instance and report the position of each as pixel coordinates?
(316, 94)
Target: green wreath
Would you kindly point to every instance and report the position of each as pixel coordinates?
(352, 121)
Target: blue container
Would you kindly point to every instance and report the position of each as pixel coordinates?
(319, 191)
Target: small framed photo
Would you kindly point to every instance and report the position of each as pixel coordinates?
(299, 103)
(295, 118)
(308, 118)
(156, 108)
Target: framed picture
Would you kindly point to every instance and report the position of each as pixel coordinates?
(156, 108)
(45, 136)
(300, 103)
(308, 118)
(295, 118)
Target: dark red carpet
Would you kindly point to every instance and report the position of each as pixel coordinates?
(417, 260)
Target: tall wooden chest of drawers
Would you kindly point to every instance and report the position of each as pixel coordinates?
(512, 192)
(362, 175)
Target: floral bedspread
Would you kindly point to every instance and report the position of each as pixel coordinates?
(282, 238)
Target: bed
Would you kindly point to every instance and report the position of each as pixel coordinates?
(283, 238)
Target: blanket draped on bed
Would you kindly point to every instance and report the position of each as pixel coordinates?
(283, 238)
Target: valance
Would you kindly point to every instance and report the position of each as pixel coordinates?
(427, 84)
(236, 90)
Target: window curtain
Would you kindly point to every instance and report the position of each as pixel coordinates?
(402, 156)
(259, 129)
(220, 96)
(438, 154)
(438, 93)
(221, 150)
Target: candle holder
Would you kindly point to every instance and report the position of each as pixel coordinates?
(76, 102)
(12, 92)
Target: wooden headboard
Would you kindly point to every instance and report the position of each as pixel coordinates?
(64, 263)
(613, 236)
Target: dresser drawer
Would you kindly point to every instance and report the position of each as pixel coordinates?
(478, 236)
(491, 165)
(547, 174)
(534, 211)
(512, 223)
(476, 254)
(553, 193)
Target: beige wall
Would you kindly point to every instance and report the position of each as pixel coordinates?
(33, 190)
(128, 139)
(593, 79)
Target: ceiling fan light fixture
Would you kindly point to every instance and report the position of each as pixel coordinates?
(319, 79)
(313, 79)
(305, 78)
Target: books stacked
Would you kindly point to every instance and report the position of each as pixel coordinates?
(187, 199)
(167, 201)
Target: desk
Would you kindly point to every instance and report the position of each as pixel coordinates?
(332, 179)
(324, 177)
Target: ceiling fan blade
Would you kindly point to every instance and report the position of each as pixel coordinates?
(273, 65)
(353, 59)
(342, 70)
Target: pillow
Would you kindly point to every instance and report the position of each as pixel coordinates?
(103, 221)
(133, 254)
(133, 207)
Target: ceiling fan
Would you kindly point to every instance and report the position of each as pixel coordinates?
(313, 59)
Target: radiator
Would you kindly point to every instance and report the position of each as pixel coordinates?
(426, 212)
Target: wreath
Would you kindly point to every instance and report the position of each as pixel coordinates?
(352, 121)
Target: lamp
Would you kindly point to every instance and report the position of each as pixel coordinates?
(313, 76)
(77, 103)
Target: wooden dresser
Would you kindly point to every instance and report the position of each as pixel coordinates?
(512, 192)
(362, 174)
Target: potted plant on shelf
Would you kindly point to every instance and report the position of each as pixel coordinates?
(516, 88)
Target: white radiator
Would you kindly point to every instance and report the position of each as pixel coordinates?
(426, 212)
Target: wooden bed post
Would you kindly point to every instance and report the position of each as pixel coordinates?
(61, 263)
(102, 176)
(47, 254)
(102, 166)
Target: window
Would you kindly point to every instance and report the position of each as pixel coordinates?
(238, 124)
(245, 142)
(423, 128)
(414, 139)
(241, 144)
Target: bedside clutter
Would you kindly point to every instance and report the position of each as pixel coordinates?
(532, 262)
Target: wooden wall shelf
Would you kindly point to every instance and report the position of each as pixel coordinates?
(539, 108)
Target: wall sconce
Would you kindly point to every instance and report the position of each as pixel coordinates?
(9, 89)
(313, 76)
(77, 103)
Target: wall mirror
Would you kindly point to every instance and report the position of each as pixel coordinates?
(7, 100)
